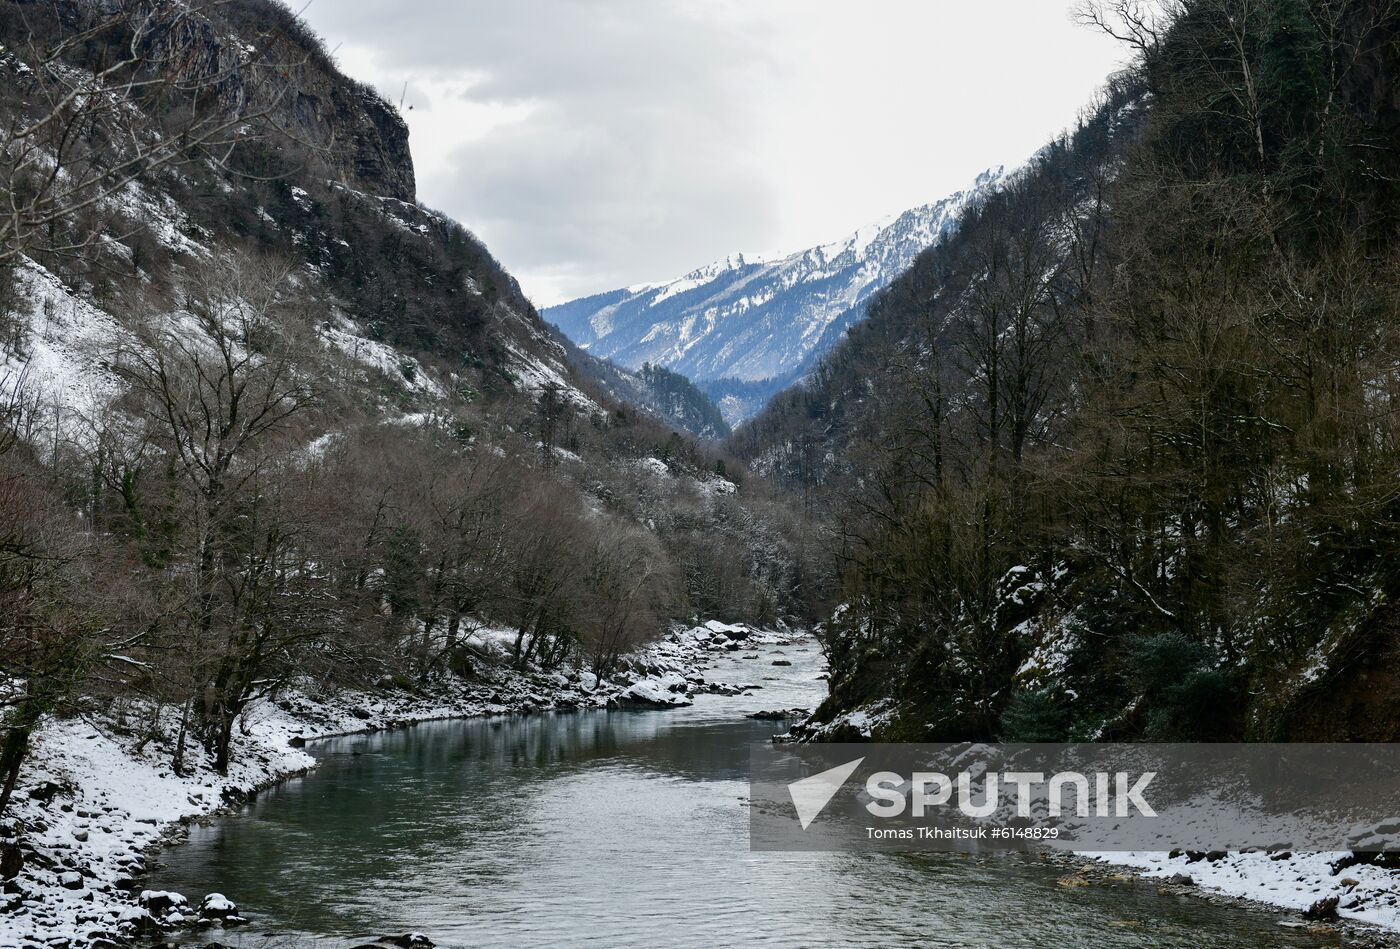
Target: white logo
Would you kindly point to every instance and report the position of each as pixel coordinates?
(811, 795)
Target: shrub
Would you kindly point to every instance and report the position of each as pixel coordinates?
(1035, 716)
(1185, 694)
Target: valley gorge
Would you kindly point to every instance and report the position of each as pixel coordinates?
(349, 599)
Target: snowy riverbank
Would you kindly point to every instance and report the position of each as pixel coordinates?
(1364, 893)
(91, 806)
(1295, 881)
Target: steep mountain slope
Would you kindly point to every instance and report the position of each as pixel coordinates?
(1106, 463)
(669, 396)
(757, 321)
(327, 182)
(325, 185)
(264, 419)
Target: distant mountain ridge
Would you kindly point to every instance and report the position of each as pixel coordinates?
(743, 328)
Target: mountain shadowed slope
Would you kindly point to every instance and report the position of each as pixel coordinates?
(1106, 463)
(667, 395)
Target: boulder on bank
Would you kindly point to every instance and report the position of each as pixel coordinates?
(1323, 910)
(668, 691)
(138, 920)
(733, 631)
(410, 941)
(159, 902)
(779, 714)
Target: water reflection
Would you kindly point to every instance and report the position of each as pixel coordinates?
(625, 828)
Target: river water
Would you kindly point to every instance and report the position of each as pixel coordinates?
(628, 829)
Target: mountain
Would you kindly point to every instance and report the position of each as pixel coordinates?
(1086, 475)
(325, 186)
(267, 423)
(667, 395)
(758, 323)
(302, 225)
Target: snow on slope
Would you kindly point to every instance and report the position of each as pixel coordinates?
(752, 320)
(60, 359)
(68, 343)
(66, 340)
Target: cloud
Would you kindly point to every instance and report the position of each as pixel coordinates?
(614, 139)
(598, 143)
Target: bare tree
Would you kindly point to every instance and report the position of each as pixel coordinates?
(626, 592)
(219, 383)
(1139, 24)
(51, 627)
(541, 570)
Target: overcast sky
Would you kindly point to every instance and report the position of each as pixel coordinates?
(595, 144)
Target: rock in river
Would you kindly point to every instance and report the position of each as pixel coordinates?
(217, 906)
(665, 692)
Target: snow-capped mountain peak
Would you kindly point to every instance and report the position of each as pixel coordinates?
(756, 321)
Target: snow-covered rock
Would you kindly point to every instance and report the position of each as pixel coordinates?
(667, 691)
(217, 906)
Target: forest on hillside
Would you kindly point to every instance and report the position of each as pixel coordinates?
(1118, 459)
(266, 422)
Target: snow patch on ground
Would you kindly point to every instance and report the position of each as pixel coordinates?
(1369, 894)
(534, 375)
(403, 370)
(62, 356)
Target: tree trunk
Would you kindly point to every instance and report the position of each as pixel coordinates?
(177, 764)
(12, 754)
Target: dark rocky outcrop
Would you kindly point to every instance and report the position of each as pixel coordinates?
(1323, 910)
(11, 860)
(780, 714)
(267, 59)
(1357, 695)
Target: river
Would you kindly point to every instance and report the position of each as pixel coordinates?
(628, 829)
